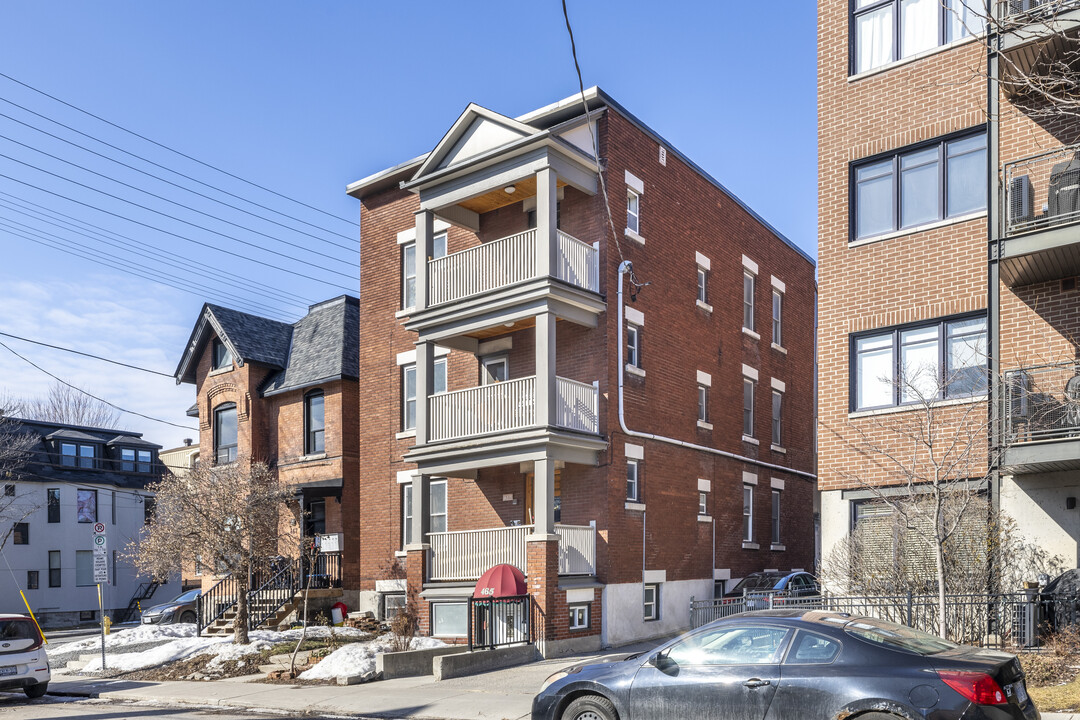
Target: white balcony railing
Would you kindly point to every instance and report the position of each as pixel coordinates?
(510, 405)
(507, 261)
(467, 554)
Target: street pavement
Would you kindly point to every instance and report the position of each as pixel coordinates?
(18, 708)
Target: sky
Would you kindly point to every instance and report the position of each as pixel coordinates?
(226, 132)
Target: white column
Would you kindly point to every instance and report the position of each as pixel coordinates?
(544, 498)
(547, 200)
(425, 385)
(545, 369)
(425, 232)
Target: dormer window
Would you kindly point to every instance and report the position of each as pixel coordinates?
(132, 460)
(77, 455)
(223, 358)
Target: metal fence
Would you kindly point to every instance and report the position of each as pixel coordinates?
(1042, 403)
(497, 622)
(1002, 620)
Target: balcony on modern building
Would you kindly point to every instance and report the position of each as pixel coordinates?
(463, 556)
(1031, 34)
(1041, 430)
(1040, 237)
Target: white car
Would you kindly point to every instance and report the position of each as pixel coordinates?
(23, 664)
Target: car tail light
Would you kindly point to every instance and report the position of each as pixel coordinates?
(977, 687)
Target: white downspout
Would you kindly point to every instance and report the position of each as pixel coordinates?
(625, 267)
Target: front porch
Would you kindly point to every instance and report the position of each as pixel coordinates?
(465, 555)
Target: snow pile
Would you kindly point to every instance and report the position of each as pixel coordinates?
(133, 636)
(166, 652)
(359, 658)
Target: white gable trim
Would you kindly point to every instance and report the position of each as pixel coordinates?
(451, 142)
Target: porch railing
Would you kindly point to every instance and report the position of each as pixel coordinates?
(1042, 191)
(578, 263)
(467, 554)
(577, 405)
(1042, 403)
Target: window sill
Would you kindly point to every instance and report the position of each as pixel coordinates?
(704, 306)
(404, 313)
(635, 506)
(750, 545)
(777, 547)
(917, 406)
(634, 236)
(918, 229)
(704, 425)
(405, 434)
(400, 554)
(635, 370)
(778, 448)
(704, 518)
(751, 333)
(752, 441)
(914, 58)
(779, 348)
(312, 456)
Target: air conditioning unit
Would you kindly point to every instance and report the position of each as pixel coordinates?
(1021, 6)
(1020, 200)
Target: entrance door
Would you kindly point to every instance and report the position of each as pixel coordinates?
(530, 497)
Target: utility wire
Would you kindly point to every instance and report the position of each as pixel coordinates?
(172, 150)
(86, 354)
(90, 395)
(181, 220)
(177, 235)
(165, 199)
(170, 182)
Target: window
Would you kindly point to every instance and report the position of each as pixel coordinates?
(223, 358)
(633, 211)
(314, 422)
(890, 30)
(437, 511)
(579, 617)
(21, 534)
(775, 517)
(449, 619)
(72, 455)
(408, 391)
(702, 285)
(727, 645)
(145, 458)
(912, 364)
(52, 501)
(494, 369)
(633, 486)
(748, 408)
(54, 568)
(650, 602)
(748, 300)
(633, 346)
(930, 182)
(127, 460)
(778, 418)
(703, 503)
(778, 318)
(9, 490)
(702, 404)
(406, 514)
(225, 433)
(31, 579)
(149, 505)
(198, 565)
(84, 568)
(86, 506)
(408, 268)
(748, 513)
(811, 649)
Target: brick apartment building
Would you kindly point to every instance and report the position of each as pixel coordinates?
(948, 240)
(628, 440)
(286, 394)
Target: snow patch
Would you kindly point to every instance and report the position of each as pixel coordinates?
(359, 658)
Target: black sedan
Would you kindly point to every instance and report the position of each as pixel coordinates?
(783, 664)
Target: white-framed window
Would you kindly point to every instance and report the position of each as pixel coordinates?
(776, 517)
(748, 513)
(748, 407)
(408, 390)
(702, 285)
(86, 506)
(84, 568)
(778, 418)
(650, 601)
(703, 503)
(449, 619)
(633, 480)
(633, 345)
(437, 511)
(226, 433)
(406, 514)
(494, 369)
(778, 318)
(889, 30)
(408, 276)
(702, 403)
(633, 211)
(748, 282)
(579, 617)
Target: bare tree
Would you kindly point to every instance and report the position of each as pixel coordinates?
(228, 516)
(63, 404)
(16, 503)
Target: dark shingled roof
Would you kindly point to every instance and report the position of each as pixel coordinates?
(325, 345)
(256, 339)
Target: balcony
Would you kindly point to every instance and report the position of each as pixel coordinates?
(467, 554)
(1041, 211)
(1033, 33)
(509, 406)
(1042, 419)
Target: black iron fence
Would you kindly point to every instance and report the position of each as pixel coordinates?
(495, 622)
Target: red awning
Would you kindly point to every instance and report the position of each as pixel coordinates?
(501, 581)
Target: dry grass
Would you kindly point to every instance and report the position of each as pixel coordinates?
(1052, 673)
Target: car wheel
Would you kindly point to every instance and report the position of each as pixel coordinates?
(590, 707)
(188, 617)
(36, 691)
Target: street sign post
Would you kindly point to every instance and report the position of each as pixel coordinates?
(101, 575)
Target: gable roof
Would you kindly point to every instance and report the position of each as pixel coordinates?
(476, 131)
(325, 346)
(250, 338)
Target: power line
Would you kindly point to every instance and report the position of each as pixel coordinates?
(170, 182)
(180, 220)
(166, 147)
(90, 395)
(86, 354)
(165, 199)
(176, 235)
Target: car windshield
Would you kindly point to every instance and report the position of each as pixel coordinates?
(898, 636)
(17, 629)
(756, 582)
(186, 597)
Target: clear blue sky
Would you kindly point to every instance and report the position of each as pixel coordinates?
(304, 98)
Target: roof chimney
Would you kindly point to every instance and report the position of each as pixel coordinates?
(188, 441)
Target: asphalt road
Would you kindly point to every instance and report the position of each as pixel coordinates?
(17, 707)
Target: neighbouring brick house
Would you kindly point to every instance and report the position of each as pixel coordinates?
(285, 394)
(945, 223)
(501, 345)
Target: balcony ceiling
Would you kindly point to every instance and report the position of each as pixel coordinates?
(1041, 256)
(1042, 457)
(524, 188)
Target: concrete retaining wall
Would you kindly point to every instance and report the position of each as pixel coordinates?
(471, 663)
(412, 662)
